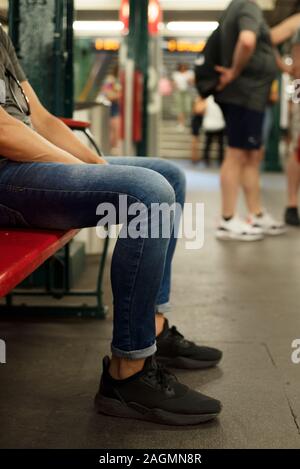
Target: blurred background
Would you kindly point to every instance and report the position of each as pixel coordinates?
(115, 61)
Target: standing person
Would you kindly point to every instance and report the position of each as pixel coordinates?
(183, 79)
(249, 66)
(199, 109)
(268, 120)
(50, 180)
(293, 169)
(214, 127)
(112, 90)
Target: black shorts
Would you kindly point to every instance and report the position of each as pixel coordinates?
(244, 127)
(196, 124)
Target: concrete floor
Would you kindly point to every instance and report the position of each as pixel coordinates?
(243, 298)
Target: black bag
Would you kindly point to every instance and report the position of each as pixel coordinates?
(207, 79)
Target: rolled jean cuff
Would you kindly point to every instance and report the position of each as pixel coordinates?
(164, 308)
(134, 354)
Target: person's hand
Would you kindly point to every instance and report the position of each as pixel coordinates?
(96, 160)
(101, 161)
(227, 76)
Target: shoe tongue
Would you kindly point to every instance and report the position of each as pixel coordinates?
(166, 325)
(105, 363)
(150, 363)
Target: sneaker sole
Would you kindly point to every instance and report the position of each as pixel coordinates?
(280, 232)
(187, 363)
(294, 225)
(226, 236)
(115, 408)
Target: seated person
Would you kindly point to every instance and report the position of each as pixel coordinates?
(49, 179)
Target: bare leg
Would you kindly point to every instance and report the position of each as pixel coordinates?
(293, 177)
(251, 182)
(195, 149)
(159, 323)
(122, 368)
(114, 131)
(181, 119)
(231, 173)
(262, 154)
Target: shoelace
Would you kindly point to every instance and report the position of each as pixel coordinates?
(162, 376)
(180, 337)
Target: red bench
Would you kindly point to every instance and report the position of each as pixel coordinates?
(23, 251)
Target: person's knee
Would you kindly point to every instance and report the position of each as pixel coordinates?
(166, 193)
(158, 190)
(254, 158)
(176, 178)
(172, 172)
(236, 157)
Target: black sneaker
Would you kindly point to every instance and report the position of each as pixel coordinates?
(292, 216)
(155, 395)
(175, 351)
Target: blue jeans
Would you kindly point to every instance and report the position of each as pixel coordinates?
(58, 196)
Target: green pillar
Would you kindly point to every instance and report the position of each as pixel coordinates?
(272, 157)
(138, 51)
(42, 32)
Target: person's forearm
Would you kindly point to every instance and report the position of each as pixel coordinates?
(242, 56)
(285, 30)
(20, 143)
(56, 132)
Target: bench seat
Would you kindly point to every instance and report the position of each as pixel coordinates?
(23, 251)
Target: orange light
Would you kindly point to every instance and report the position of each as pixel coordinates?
(99, 44)
(185, 46)
(172, 45)
(107, 44)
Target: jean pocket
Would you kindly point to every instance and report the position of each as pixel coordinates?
(11, 218)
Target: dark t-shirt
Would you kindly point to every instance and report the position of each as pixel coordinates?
(9, 61)
(252, 88)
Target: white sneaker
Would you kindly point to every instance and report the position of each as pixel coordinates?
(267, 224)
(180, 128)
(237, 229)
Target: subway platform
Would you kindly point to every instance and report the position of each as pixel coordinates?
(240, 297)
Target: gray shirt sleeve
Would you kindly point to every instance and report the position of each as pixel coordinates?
(250, 18)
(5, 42)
